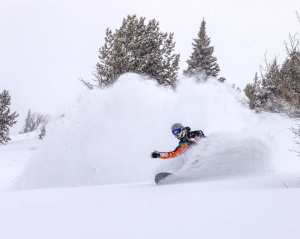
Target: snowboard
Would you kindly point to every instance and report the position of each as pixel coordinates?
(161, 176)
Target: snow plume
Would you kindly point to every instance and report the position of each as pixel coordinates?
(108, 135)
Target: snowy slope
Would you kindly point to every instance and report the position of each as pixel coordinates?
(107, 136)
(14, 156)
(196, 210)
(242, 181)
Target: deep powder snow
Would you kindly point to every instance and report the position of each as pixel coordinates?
(107, 135)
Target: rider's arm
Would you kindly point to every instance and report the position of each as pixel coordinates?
(178, 151)
(197, 133)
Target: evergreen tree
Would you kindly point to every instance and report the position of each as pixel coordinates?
(33, 121)
(252, 91)
(272, 79)
(202, 60)
(7, 119)
(139, 48)
(42, 132)
(290, 72)
(264, 93)
(279, 88)
(28, 122)
(270, 88)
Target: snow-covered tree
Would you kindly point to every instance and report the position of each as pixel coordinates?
(254, 93)
(265, 92)
(272, 79)
(28, 122)
(42, 132)
(278, 87)
(291, 78)
(271, 88)
(7, 119)
(139, 48)
(202, 62)
(33, 121)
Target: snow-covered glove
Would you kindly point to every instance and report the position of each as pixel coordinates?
(155, 154)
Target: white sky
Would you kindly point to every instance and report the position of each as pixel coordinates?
(46, 46)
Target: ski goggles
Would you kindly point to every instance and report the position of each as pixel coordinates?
(177, 131)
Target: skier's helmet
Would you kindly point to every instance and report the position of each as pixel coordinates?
(177, 130)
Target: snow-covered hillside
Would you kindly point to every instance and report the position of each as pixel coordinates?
(14, 156)
(107, 136)
(240, 182)
(196, 210)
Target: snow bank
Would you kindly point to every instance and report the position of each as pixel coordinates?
(107, 136)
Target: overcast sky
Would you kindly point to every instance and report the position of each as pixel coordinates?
(46, 46)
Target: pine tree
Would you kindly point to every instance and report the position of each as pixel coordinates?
(252, 92)
(202, 60)
(272, 79)
(7, 119)
(291, 78)
(279, 87)
(270, 88)
(139, 48)
(33, 121)
(42, 132)
(103, 67)
(28, 122)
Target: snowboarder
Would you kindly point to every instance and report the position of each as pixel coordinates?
(186, 137)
